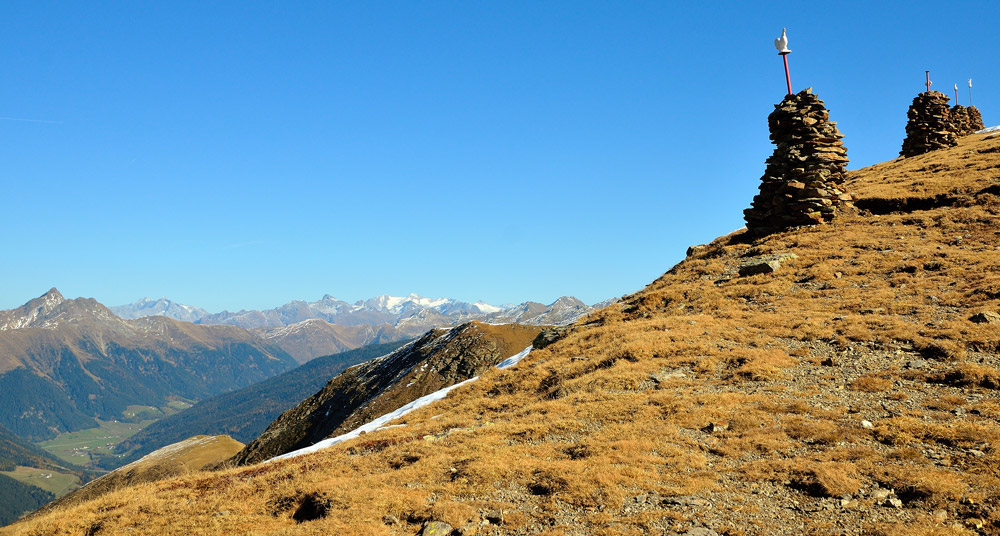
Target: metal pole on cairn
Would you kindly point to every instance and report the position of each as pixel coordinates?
(781, 44)
(970, 92)
(928, 83)
(956, 94)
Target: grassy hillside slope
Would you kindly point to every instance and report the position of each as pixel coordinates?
(442, 357)
(852, 391)
(187, 456)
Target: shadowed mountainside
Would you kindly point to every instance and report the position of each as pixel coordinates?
(440, 358)
(245, 413)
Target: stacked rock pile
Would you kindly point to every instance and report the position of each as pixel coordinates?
(928, 125)
(960, 120)
(975, 118)
(801, 184)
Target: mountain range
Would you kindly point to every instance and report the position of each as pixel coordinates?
(327, 326)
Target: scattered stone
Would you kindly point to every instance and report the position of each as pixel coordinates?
(685, 500)
(929, 126)
(763, 267)
(976, 453)
(695, 249)
(880, 495)
(714, 427)
(221, 513)
(985, 317)
(916, 363)
(663, 375)
(867, 425)
(893, 502)
(390, 519)
(940, 515)
(802, 180)
(765, 264)
(436, 528)
(828, 362)
(494, 517)
(975, 522)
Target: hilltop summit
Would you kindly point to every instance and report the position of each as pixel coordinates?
(853, 390)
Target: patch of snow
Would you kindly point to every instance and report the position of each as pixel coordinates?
(514, 359)
(988, 130)
(382, 422)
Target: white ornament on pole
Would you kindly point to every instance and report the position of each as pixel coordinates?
(781, 43)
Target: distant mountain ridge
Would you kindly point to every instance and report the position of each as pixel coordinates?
(159, 307)
(65, 362)
(327, 326)
(384, 309)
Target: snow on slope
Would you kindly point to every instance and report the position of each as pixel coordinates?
(380, 422)
(989, 129)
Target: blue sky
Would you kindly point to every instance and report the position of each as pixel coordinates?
(243, 154)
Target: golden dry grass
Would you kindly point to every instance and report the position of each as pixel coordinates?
(752, 405)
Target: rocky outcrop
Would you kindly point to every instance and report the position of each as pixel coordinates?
(975, 118)
(928, 126)
(960, 120)
(801, 184)
(439, 359)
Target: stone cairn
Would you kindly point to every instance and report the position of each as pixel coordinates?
(801, 184)
(975, 119)
(929, 125)
(960, 120)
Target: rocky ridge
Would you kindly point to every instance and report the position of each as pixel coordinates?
(441, 358)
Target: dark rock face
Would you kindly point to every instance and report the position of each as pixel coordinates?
(929, 125)
(364, 392)
(801, 184)
(975, 118)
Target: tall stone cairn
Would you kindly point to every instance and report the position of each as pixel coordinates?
(801, 184)
(975, 118)
(928, 125)
(960, 120)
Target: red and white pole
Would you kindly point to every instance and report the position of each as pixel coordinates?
(928, 83)
(781, 44)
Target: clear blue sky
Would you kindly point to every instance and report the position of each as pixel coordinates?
(243, 154)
